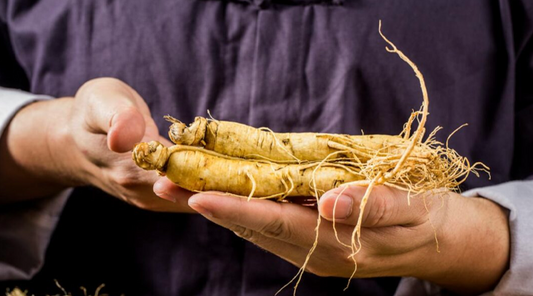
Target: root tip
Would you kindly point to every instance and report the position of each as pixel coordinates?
(150, 156)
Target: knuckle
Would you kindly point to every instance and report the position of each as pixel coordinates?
(100, 81)
(277, 228)
(124, 181)
(95, 85)
(88, 87)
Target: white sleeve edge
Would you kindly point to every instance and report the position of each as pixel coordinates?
(12, 100)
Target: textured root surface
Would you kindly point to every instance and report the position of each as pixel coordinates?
(403, 161)
(194, 169)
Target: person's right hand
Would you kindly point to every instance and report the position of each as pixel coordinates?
(87, 140)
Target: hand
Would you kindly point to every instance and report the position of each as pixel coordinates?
(397, 239)
(87, 140)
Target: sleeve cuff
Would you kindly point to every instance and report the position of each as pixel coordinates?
(11, 100)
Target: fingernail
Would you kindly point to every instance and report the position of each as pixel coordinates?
(342, 209)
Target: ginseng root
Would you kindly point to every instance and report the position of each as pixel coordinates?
(244, 141)
(196, 169)
(345, 158)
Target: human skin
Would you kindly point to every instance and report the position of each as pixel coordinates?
(397, 239)
(83, 140)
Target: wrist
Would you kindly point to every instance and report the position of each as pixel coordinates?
(474, 247)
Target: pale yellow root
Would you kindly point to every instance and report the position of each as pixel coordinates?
(243, 141)
(429, 164)
(197, 169)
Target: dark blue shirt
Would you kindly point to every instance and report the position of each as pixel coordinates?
(291, 65)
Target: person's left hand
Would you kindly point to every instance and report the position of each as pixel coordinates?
(397, 239)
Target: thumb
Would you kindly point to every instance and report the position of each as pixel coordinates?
(127, 128)
(113, 108)
(385, 206)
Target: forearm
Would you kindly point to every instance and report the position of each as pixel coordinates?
(34, 151)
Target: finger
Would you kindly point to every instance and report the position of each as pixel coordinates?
(290, 252)
(329, 258)
(178, 204)
(145, 197)
(166, 189)
(156, 204)
(385, 207)
(127, 129)
(286, 222)
(111, 107)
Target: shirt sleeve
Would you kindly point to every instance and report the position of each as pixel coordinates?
(26, 227)
(517, 197)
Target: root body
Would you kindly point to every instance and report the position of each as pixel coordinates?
(243, 141)
(198, 171)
